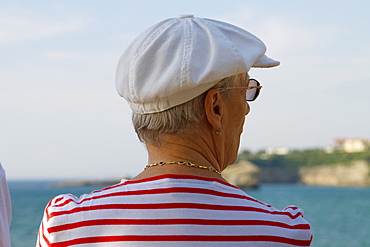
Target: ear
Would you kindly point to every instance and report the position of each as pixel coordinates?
(213, 108)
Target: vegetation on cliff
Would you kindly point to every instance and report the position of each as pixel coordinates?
(312, 166)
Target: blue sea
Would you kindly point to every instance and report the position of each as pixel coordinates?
(340, 217)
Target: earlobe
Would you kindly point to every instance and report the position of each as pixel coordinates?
(213, 108)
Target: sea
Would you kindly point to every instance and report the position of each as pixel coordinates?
(339, 216)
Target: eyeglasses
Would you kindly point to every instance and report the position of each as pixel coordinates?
(253, 89)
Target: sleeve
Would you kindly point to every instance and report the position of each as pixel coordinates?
(44, 236)
(298, 219)
(5, 210)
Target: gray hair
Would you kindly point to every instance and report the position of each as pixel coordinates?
(175, 120)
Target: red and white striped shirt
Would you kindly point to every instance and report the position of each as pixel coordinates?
(170, 210)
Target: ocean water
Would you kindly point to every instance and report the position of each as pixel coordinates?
(340, 217)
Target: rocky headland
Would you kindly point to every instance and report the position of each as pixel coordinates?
(356, 173)
(243, 174)
(247, 175)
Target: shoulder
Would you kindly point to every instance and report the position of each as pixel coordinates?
(65, 204)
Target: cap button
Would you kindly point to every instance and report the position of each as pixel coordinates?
(186, 16)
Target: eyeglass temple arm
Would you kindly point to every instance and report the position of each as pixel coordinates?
(244, 87)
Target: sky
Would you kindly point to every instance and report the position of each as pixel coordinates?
(61, 118)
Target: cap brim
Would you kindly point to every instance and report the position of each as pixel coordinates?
(265, 62)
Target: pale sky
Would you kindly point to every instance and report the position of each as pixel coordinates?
(61, 118)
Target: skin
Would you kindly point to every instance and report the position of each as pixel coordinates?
(205, 148)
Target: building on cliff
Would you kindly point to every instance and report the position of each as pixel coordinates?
(351, 145)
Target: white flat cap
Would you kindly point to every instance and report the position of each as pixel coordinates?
(178, 59)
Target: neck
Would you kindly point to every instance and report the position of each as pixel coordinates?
(183, 163)
(187, 147)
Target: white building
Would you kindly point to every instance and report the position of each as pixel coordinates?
(277, 150)
(352, 145)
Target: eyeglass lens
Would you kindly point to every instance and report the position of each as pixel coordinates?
(252, 93)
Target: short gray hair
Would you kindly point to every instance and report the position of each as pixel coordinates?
(175, 120)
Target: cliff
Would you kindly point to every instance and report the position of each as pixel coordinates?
(243, 174)
(350, 173)
(356, 173)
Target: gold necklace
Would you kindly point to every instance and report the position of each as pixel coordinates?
(183, 163)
